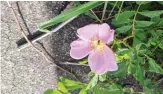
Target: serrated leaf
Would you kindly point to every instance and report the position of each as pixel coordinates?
(144, 23)
(123, 29)
(62, 88)
(154, 67)
(70, 13)
(124, 15)
(52, 91)
(142, 2)
(151, 14)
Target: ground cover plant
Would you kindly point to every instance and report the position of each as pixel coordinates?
(130, 33)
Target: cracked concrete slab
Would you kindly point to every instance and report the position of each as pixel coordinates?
(25, 71)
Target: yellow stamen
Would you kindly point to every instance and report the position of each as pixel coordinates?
(97, 44)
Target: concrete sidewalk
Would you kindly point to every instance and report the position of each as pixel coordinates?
(26, 71)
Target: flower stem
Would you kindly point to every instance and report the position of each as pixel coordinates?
(134, 20)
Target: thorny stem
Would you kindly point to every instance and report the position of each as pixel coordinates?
(39, 51)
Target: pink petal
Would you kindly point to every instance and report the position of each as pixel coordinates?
(105, 33)
(111, 38)
(100, 63)
(88, 32)
(79, 49)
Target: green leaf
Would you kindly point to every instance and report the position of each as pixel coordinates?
(123, 29)
(104, 9)
(151, 14)
(86, 13)
(84, 61)
(103, 77)
(121, 72)
(83, 91)
(128, 90)
(62, 88)
(139, 74)
(70, 13)
(139, 36)
(148, 91)
(121, 23)
(93, 82)
(143, 23)
(52, 91)
(125, 15)
(71, 84)
(161, 2)
(131, 68)
(110, 89)
(142, 2)
(154, 67)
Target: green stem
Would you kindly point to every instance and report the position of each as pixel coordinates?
(120, 10)
(113, 8)
(156, 47)
(104, 10)
(134, 20)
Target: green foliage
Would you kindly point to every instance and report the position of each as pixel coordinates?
(124, 29)
(154, 67)
(84, 61)
(52, 91)
(142, 2)
(151, 14)
(143, 24)
(62, 88)
(107, 89)
(93, 82)
(70, 13)
(71, 84)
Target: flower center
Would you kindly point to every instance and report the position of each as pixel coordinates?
(96, 43)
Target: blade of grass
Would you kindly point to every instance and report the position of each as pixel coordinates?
(120, 10)
(70, 13)
(113, 9)
(96, 16)
(104, 10)
(88, 13)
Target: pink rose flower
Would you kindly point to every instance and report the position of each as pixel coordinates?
(92, 41)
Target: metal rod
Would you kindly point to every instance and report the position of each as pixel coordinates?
(46, 34)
